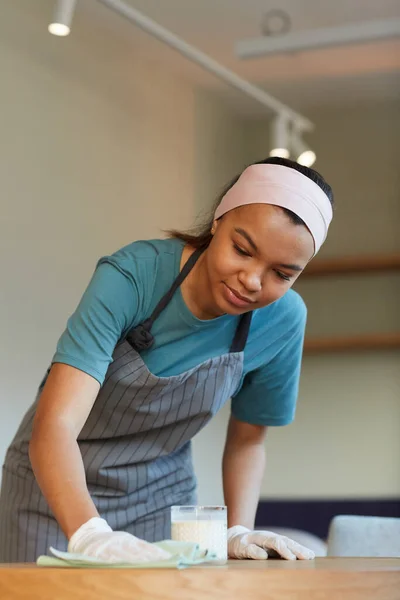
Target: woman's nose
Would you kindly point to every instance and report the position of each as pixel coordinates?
(252, 281)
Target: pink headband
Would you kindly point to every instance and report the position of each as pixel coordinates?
(285, 187)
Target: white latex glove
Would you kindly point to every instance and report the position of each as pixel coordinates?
(96, 538)
(244, 543)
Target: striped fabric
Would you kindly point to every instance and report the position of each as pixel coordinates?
(136, 451)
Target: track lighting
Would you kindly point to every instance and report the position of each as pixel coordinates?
(280, 137)
(303, 153)
(286, 139)
(62, 23)
(285, 116)
(315, 39)
(62, 18)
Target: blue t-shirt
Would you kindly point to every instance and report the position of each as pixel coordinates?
(125, 289)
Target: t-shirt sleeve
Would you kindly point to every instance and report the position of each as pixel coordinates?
(268, 395)
(106, 311)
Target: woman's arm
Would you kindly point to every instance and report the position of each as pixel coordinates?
(63, 408)
(243, 469)
(107, 308)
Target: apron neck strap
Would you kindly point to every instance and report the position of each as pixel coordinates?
(242, 332)
(243, 327)
(165, 300)
(140, 337)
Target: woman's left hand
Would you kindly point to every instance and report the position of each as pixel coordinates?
(244, 543)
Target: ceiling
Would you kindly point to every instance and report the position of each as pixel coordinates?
(347, 75)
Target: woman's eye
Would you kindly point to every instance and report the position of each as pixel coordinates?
(240, 250)
(283, 276)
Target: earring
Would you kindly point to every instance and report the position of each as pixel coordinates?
(212, 230)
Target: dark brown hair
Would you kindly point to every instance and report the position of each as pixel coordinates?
(200, 237)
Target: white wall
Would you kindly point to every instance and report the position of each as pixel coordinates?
(98, 148)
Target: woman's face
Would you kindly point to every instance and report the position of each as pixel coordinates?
(255, 256)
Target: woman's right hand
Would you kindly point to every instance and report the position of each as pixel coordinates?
(95, 538)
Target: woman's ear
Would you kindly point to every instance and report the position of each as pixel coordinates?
(214, 226)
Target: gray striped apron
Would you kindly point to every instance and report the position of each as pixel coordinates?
(135, 444)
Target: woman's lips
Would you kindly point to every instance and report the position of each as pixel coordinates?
(233, 297)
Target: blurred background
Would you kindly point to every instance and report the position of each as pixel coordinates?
(108, 135)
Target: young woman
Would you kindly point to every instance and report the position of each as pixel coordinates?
(166, 332)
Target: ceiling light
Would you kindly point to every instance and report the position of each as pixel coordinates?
(280, 137)
(62, 18)
(303, 153)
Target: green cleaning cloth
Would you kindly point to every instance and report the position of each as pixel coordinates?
(183, 554)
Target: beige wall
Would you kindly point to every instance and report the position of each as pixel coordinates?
(358, 153)
(98, 148)
(220, 148)
(345, 441)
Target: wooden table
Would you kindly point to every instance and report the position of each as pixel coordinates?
(321, 579)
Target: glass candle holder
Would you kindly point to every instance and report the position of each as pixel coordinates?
(202, 525)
